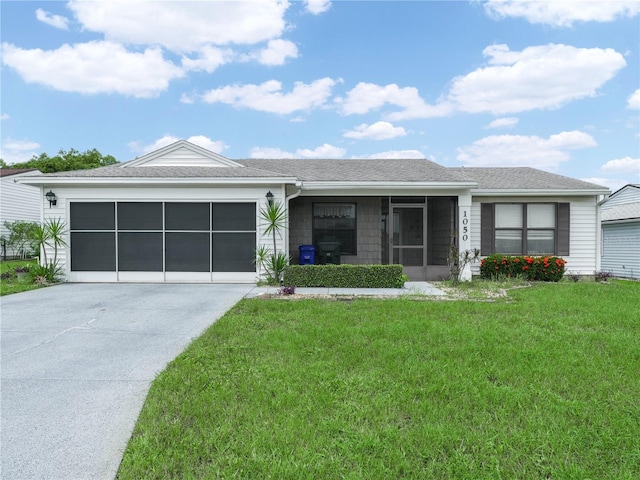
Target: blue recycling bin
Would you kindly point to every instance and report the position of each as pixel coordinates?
(307, 254)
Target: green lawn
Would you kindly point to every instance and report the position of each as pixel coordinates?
(13, 284)
(542, 384)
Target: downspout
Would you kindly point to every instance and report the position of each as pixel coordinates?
(296, 194)
(599, 232)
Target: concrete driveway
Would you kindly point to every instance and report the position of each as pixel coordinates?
(77, 361)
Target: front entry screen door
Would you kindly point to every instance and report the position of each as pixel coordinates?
(408, 240)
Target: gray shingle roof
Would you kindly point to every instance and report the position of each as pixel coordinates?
(7, 172)
(352, 170)
(117, 171)
(359, 170)
(523, 178)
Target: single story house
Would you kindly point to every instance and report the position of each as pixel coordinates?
(186, 214)
(621, 232)
(17, 202)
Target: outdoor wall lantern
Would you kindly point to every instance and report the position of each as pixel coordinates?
(269, 197)
(53, 200)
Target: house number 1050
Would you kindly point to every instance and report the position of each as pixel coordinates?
(465, 226)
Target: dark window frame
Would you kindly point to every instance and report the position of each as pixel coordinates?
(314, 228)
(561, 229)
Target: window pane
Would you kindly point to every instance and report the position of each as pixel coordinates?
(540, 242)
(335, 222)
(187, 216)
(509, 242)
(234, 216)
(93, 251)
(407, 226)
(92, 216)
(140, 252)
(508, 215)
(233, 252)
(541, 216)
(139, 216)
(187, 252)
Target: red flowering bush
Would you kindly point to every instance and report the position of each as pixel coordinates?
(546, 269)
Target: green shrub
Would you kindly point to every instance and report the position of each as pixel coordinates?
(345, 276)
(546, 269)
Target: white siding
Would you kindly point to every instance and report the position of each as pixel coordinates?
(183, 157)
(583, 229)
(18, 202)
(154, 194)
(628, 194)
(621, 249)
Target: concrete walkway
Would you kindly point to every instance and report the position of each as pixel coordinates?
(77, 362)
(410, 288)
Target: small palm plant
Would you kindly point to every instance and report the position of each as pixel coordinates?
(275, 217)
(49, 234)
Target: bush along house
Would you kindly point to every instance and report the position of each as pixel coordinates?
(185, 214)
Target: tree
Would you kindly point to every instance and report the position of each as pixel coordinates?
(65, 161)
(21, 237)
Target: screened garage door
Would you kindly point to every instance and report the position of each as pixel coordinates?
(195, 239)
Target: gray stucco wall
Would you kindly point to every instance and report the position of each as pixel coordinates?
(368, 222)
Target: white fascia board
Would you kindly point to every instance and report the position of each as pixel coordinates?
(386, 185)
(535, 193)
(156, 181)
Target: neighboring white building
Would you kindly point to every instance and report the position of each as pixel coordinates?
(620, 215)
(18, 201)
(186, 214)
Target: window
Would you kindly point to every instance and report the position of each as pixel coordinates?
(335, 222)
(525, 228)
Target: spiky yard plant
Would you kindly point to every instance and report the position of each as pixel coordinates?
(274, 216)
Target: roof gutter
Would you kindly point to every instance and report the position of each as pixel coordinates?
(174, 181)
(339, 185)
(535, 192)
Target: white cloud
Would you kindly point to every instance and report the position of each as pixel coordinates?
(93, 68)
(520, 150)
(399, 154)
(18, 151)
(217, 146)
(268, 96)
(626, 164)
(276, 53)
(612, 183)
(376, 131)
(208, 60)
(4, 116)
(317, 6)
(56, 21)
(183, 26)
(505, 122)
(365, 97)
(324, 151)
(268, 152)
(562, 13)
(187, 99)
(541, 77)
(633, 101)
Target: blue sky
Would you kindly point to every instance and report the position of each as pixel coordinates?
(551, 85)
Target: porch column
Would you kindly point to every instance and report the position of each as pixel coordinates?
(464, 229)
